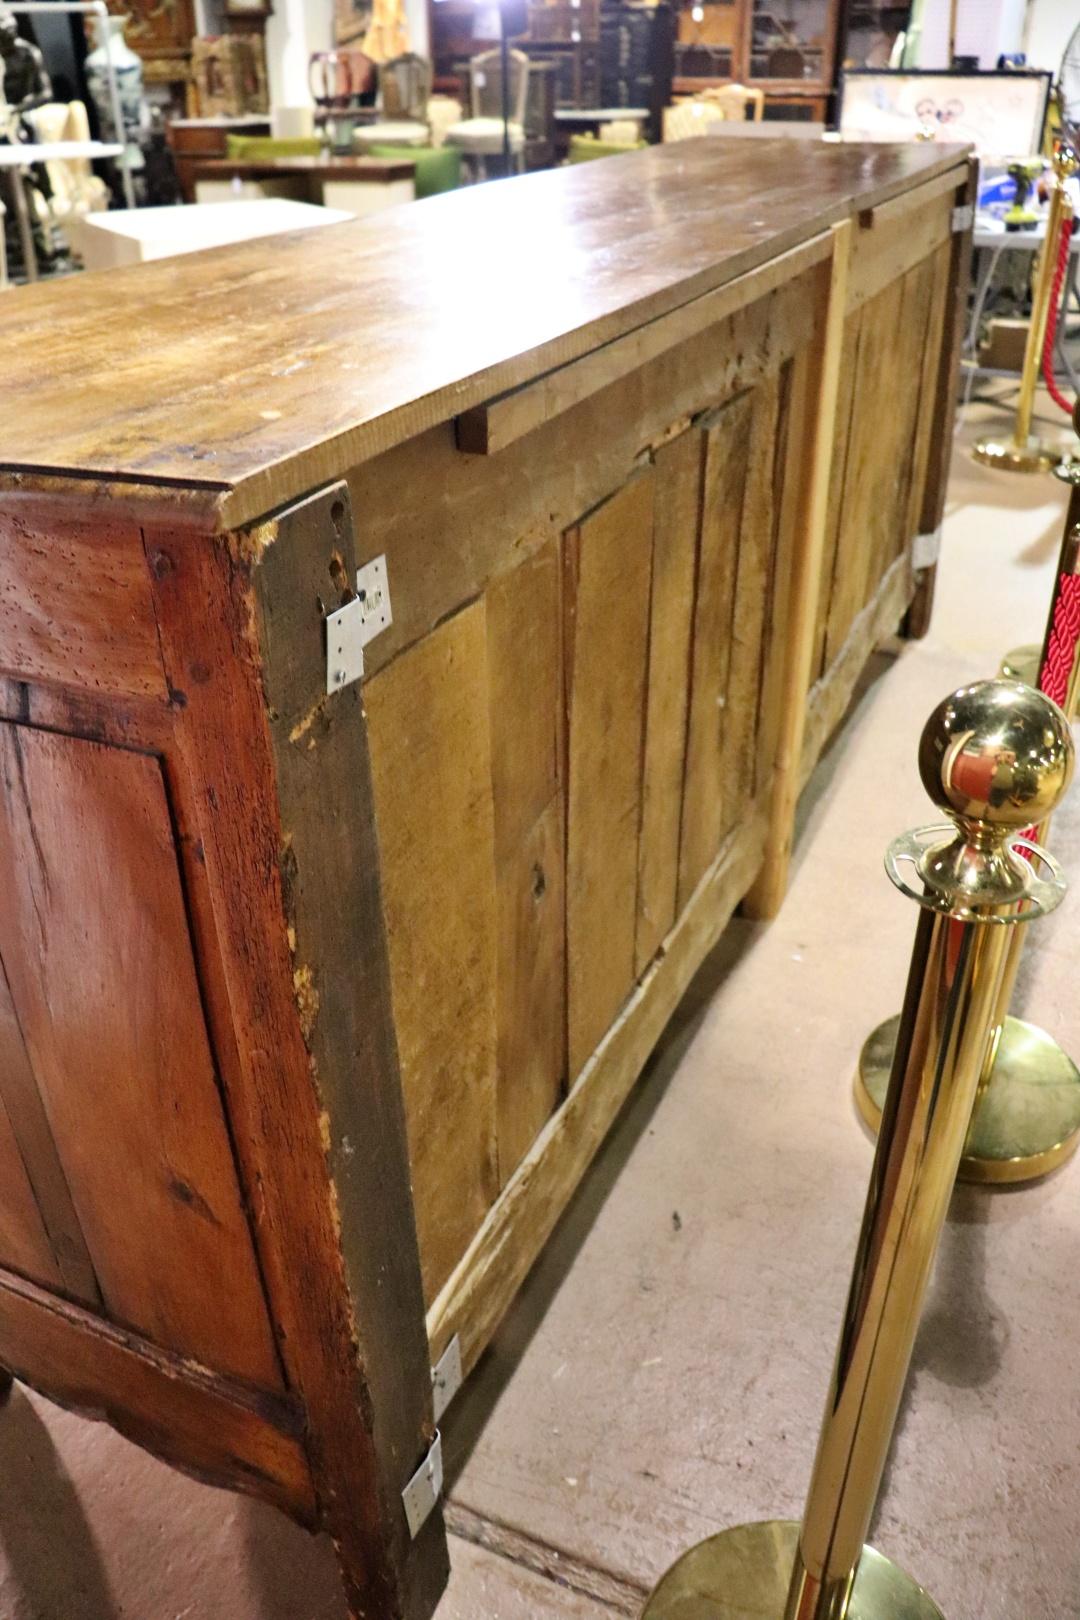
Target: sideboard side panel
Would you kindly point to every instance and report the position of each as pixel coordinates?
(96, 951)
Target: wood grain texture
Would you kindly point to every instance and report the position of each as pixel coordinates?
(341, 979)
(218, 1431)
(799, 554)
(24, 1242)
(103, 379)
(475, 1298)
(29, 1127)
(208, 617)
(929, 362)
(755, 618)
(831, 694)
(845, 401)
(677, 514)
(891, 240)
(489, 428)
(608, 564)
(74, 604)
(867, 502)
(489, 511)
(944, 396)
(525, 689)
(726, 451)
(98, 959)
(428, 720)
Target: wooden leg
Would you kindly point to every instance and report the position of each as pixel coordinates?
(765, 897)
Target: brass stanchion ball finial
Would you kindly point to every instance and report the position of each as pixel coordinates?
(997, 753)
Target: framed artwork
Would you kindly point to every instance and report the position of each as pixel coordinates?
(1000, 114)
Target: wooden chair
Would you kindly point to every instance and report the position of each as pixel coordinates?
(481, 136)
(736, 99)
(698, 115)
(405, 87)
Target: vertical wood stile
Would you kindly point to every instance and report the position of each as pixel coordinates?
(764, 898)
(525, 685)
(727, 447)
(675, 535)
(608, 563)
(428, 723)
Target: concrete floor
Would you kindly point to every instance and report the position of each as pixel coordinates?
(662, 1374)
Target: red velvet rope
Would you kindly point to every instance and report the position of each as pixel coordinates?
(1057, 665)
(1064, 635)
(1052, 318)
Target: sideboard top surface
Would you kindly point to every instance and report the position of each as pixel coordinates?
(246, 375)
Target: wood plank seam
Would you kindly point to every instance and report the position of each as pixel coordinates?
(484, 1283)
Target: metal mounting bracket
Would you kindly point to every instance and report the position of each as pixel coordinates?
(344, 645)
(446, 1376)
(963, 218)
(424, 1489)
(926, 549)
(350, 628)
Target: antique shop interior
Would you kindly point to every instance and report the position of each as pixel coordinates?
(539, 645)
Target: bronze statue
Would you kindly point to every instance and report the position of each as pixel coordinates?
(24, 86)
(26, 80)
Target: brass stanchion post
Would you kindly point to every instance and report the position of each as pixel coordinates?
(1025, 452)
(995, 756)
(1026, 1118)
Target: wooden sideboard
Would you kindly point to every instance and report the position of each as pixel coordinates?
(319, 993)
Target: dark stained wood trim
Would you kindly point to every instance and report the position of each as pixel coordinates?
(215, 1429)
(331, 883)
(263, 1013)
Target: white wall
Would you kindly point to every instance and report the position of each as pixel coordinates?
(989, 28)
(293, 31)
(1050, 24)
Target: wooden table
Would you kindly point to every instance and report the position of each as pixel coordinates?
(359, 185)
(323, 988)
(192, 140)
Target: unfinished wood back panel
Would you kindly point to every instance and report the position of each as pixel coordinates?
(558, 763)
(892, 345)
(112, 1064)
(428, 715)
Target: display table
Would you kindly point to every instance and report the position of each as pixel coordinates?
(414, 638)
(192, 140)
(358, 185)
(134, 235)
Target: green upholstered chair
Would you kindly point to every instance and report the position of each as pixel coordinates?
(262, 148)
(583, 148)
(437, 168)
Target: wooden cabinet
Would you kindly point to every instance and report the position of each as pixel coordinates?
(788, 51)
(319, 994)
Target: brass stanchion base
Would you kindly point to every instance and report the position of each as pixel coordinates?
(743, 1574)
(1026, 1122)
(1032, 457)
(1022, 664)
